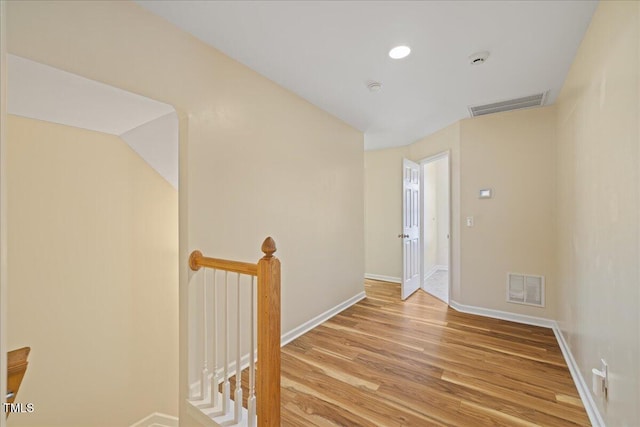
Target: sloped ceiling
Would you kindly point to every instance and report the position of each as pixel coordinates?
(42, 92)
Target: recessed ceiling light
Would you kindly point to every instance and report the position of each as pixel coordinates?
(400, 52)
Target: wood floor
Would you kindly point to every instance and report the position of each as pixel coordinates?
(385, 362)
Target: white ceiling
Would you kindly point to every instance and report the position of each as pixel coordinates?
(42, 92)
(157, 143)
(326, 51)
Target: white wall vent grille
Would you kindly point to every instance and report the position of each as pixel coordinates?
(525, 289)
(536, 100)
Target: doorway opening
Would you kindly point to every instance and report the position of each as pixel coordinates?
(436, 221)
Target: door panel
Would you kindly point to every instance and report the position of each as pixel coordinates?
(411, 228)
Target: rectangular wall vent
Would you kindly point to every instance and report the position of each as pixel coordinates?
(536, 100)
(525, 289)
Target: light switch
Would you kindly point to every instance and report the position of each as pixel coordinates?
(469, 221)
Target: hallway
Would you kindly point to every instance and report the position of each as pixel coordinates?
(384, 362)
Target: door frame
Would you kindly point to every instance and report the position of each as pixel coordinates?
(441, 155)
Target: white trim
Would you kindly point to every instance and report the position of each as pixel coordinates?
(321, 318)
(194, 388)
(210, 416)
(581, 385)
(383, 278)
(202, 418)
(284, 339)
(157, 419)
(504, 315)
(429, 273)
(442, 267)
(423, 239)
(440, 155)
(583, 390)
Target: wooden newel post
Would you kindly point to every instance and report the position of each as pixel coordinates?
(268, 378)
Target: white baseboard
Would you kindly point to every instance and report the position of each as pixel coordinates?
(430, 272)
(504, 315)
(210, 415)
(442, 267)
(307, 326)
(383, 278)
(157, 419)
(583, 390)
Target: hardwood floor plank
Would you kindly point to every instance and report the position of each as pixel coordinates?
(490, 416)
(309, 410)
(334, 371)
(385, 362)
(360, 403)
(515, 396)
(479, 370)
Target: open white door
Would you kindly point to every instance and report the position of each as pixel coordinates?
(411, 228)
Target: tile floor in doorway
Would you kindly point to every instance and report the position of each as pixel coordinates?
(438, 285)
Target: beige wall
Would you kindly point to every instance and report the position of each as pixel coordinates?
(430, 214)
(383, 215)
(513, 154)
(93, 257)
(442, 210)
(436, 214)
(598, 203)
(255, 159)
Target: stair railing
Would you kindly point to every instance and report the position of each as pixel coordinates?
(263, 404)
(16, 367)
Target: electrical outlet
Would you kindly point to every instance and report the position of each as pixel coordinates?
(601, 380)
(604, 367)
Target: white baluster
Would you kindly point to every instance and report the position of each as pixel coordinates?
(226, 387)
(215, 378)
(251, 401)
(204, 378)
(238, 392)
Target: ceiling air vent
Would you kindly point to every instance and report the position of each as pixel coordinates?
(536, 100)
